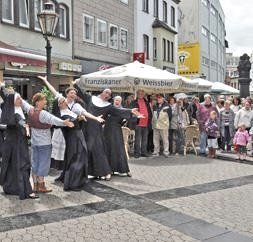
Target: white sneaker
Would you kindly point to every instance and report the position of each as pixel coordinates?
(155, 155)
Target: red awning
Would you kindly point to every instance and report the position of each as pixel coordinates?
(9, 53)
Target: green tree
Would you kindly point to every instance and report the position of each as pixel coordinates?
(50, 98)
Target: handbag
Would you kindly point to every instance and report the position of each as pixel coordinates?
(235, 147)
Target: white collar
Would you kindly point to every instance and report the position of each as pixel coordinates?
(97, 101)
(68, 113)
(71, 104)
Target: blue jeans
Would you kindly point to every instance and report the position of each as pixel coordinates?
(203, 142)
(41, 159)
(179, 139)
(141, 140)
(226, 140)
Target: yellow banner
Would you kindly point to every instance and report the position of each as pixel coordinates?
(188, 60)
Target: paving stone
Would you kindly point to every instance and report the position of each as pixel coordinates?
(200, 229)
(230, 237)
(229, 208)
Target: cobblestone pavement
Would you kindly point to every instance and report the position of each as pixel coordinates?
(175, 199)
(156, 174)
(231, 208)
(120, 225)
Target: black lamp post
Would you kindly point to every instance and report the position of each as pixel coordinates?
(48, 20)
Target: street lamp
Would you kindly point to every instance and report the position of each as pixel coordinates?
(48, 20)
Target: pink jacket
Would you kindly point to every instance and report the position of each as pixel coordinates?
(241, 137)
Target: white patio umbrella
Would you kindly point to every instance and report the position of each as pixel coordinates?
(222, 88)
(180, 95)
(133, 76)
(203, 85)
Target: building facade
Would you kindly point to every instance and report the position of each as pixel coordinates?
(156, 28)
(103, 33)
(232, 73)
(201, 38)
(22, 46)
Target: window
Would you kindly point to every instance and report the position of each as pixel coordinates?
(165, 15)
(205, 61)
(62, 88)
(113, 36)
(88, 31)
(214, 65)
(172, 13)
(164, 49)
(154, 49)
(204, 31)
(7, 11)
(213, 10)
(145, 6)
(168, 50)
(63, 21)
(123, 39)
(213, 38)
(124, 1)
(156, 7)
(146, 46)
(37, 9)
(172, 52)
(24, 13)
(101, 32)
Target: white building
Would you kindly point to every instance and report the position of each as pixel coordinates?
(156, 28)
(202, 35)
(232, 73)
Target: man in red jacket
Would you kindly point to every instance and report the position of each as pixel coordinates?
(142, 125)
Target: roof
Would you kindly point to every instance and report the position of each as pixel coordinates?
(159, 24)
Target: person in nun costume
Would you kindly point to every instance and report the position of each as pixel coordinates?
(99, 105)
(115, 149)
(16, 164)
(2, 130)
(75, 172)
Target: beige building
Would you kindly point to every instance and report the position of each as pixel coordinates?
(103, 33)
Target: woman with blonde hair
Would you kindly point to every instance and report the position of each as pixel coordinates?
(40, 122)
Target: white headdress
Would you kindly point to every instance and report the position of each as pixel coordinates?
(18, 109)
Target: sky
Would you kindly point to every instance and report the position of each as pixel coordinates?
(239, 25)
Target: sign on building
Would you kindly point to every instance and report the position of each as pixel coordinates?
(139, 56)
(189, 60)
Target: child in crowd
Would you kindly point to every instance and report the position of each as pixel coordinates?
(241, 139)
(212, 128)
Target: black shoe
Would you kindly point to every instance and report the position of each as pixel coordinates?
(136, 156)
(202, 154)
(76, 189)
(145, 155)
(60, 178)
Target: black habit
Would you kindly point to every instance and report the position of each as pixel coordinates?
(98, 165)
(76, 157)
(16, 164)
(115, 149)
